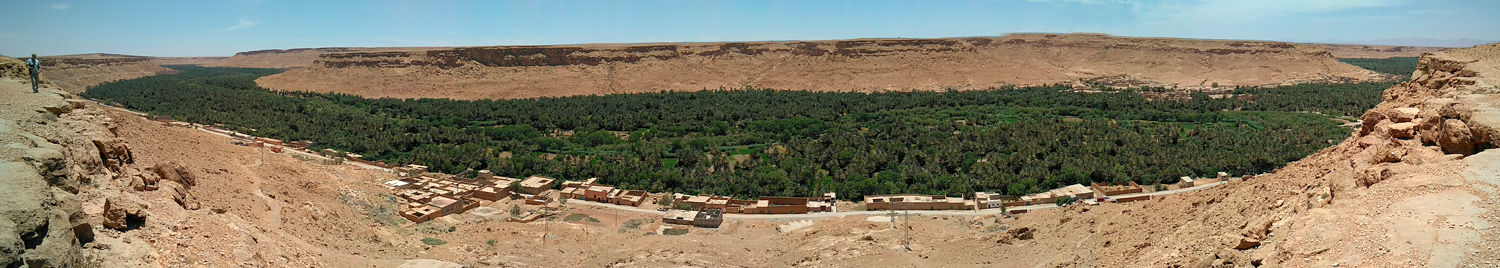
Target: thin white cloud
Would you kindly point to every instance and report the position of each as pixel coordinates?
(243, 24)
(61, 6)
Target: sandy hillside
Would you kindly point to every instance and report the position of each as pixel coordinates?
(842, 65)
(75, 73)
(1377, 52)
(291, 58)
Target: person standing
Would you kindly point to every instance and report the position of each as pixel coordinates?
(36, 71)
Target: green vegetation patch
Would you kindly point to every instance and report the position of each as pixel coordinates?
(576, 217)
(675, 232)
(1400, 66)
(756, 142)
(433, 241)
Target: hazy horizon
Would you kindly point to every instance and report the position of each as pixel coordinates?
(189, 28)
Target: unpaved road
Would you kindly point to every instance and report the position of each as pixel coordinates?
(820, 215)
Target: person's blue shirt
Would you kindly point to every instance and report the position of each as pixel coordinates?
(34, 64)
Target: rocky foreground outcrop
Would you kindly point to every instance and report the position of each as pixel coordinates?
(841, 65)
(60, 159)
(76, 73)
(1416, 186)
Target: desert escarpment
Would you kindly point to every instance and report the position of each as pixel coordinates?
(185, 60)
(287, 58)
(842, 65)
(1377, 51)
(76, 73)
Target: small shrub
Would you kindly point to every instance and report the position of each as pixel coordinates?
(675, 232)
(575, 217)
(634, 223)
(433, 241)
(1066, 200)
(491, 242)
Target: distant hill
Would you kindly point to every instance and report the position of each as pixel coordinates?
(866, 65)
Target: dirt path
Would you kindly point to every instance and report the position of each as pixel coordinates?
(273, 223)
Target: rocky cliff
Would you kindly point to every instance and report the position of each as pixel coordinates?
(1377, 52)
(287, 58)
(76, 73)
(185, 60)
(842, 65)
(1416, 186)
(59, 156)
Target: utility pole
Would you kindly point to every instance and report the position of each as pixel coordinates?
(908, 228)
(546, 226)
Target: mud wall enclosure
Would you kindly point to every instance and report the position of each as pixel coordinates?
(844, 65)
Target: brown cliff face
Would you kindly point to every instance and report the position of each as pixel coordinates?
(841, 65)
(287, 58)
(1377, 52)
(76, 73)
(185, 60)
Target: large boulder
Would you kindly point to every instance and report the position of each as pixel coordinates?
(1456, 137)
(11, 245)
(172, 171)
(114, 153)
(140, 181)
(121, 211)
(1368, 122)
(51, 161)
(1402, 115)
(23, 196)
(60, 248)
(1405, 130)
(184, 198)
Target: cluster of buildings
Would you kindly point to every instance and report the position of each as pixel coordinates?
(764, 205)
(429, 197)
(590, 190)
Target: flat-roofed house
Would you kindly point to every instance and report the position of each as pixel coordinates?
(539, 200)
(698, 201)
(915, 202)
(683, 217)
(709, 218)
(629, 198)
(492, 193)
(598, 193)
(571, 193)
(449, 206)
(1109, 190)
(536, 184)
(420, 213)
(983, 200)
(738, 206)
(777, 205)
(819, 206)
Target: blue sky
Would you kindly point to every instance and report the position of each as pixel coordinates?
(221, 28)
